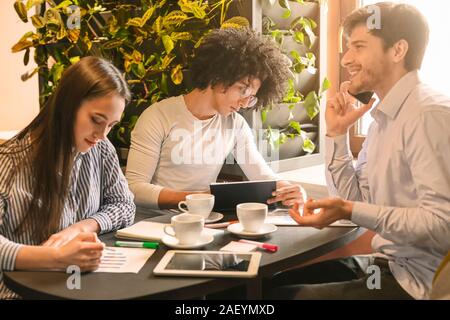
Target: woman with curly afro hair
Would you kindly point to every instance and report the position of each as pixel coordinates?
(179, 144)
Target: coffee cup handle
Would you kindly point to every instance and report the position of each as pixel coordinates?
(180, 206)
(169, 230)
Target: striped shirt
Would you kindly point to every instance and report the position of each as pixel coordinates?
(97, 190)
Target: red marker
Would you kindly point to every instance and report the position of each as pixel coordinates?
(265, 246)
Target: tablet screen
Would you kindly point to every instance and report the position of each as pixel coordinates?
(228, 195)
(208, 264)
(209, 261)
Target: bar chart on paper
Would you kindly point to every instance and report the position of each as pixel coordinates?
(123, 260)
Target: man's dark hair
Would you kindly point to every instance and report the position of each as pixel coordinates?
(398, 21)
(229, 55)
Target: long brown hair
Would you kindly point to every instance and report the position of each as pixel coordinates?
(52, 140)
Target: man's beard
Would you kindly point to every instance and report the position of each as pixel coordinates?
(365, 82)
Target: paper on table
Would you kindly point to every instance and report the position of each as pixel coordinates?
(151, 231)
(143, 230)
(281, 217)
(123, 260)
(235, 246)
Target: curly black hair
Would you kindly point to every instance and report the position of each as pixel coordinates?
(226, 56)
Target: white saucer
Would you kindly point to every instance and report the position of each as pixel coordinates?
(214, 217)
(266, 228)
(173, 242)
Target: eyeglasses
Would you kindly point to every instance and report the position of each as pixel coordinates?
(246, 94)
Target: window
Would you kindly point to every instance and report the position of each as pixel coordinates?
(436, 58)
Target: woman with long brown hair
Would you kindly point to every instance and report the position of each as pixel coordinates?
(60, 179)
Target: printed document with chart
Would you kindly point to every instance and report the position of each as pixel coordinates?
(123, 260)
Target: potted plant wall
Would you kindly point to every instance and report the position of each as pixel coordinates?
(284, 12)
(292, 124)
(150, 40)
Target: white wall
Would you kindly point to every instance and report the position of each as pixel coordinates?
(19, 102)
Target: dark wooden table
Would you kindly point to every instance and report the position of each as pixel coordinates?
(296, 245)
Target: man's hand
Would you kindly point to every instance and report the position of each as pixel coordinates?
(331, 210)
(341, 112)
(287, 193)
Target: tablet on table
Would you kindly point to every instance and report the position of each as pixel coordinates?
(209, 264)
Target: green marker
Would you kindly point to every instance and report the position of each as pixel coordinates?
(148, 245)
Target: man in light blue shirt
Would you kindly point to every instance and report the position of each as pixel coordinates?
(400, 186)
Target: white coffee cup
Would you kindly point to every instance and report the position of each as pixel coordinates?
(187, 228)
(251, 216)
(200, 204)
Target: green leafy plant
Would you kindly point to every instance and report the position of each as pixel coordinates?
(312, 105)
(302, 26)
(306, 62)
(312, 100)
(151, 41)
(301, 30)
(285, 4)
(292, 95)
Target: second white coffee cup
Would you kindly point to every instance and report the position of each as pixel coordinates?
(187, 228)
(201, 204)
(251, 216)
